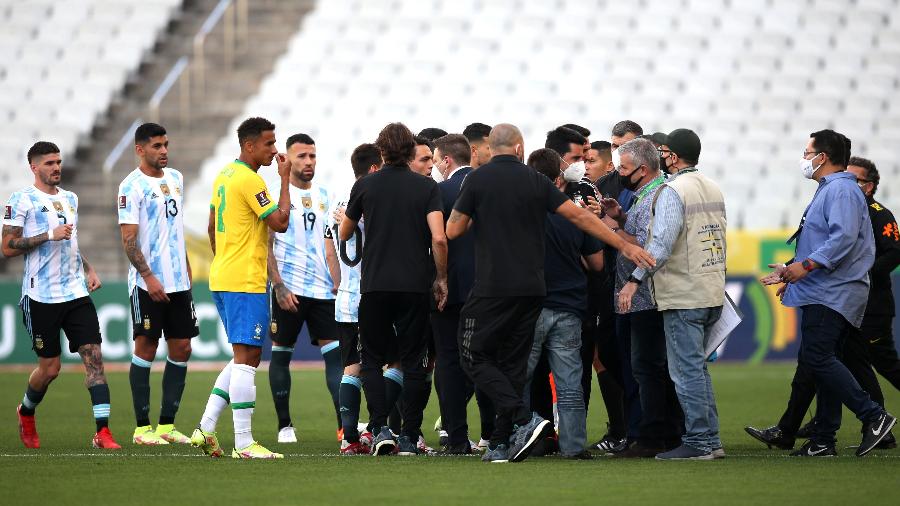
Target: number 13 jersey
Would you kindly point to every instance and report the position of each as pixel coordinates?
(300, 251)
(155, 206)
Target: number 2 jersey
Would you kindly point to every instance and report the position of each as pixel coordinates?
(53, 271)
(155, 206)
(349, 253)
(300, 251)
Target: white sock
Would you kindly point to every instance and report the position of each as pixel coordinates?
(217, 402)
(243, 400)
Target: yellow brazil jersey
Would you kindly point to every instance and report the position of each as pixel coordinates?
(240, 203)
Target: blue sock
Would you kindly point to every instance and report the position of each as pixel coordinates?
(350, 397)
(139, 378)
(280, 383)
(31, 400)
(334, 369)
(393, 387)
(172, 390)
(100, 401)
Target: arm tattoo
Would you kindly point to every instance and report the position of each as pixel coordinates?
(93, 365)
(135, 256)
(22, 243)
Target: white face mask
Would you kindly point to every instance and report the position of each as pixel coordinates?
(574, 172)
(616, 159)
(807, 167)
(436, 174)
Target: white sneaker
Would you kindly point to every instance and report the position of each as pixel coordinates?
(423, 447)
(483, 444)
(287, 435)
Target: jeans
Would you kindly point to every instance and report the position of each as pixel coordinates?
(559, 332)
(687, 332)
(662, 422)
(823, 332)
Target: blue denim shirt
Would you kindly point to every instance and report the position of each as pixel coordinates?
(836, 234)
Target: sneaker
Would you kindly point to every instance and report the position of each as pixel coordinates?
(423, 446)
(287, 435)
(443, 438)
(27, 429)
(806, 431)
(340, 434)
(482, 445)
(496, 455)
(638, 451)
(718, 453)
(406, 447)
(525, 437)
(255, 451)
(207, 442)
(773, 436)
(888, 443)
(685, 452)
(384, 443)
(146, 436)
(170, 434)
(874, 432)
(546, 446)
(104, 439)
(353, 448)
(365, 439)
(810, 449)
(611, 444)
(459, 449)
(582, 455)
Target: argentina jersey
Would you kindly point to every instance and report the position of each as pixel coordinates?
(53, 271)
(349, 253)
(155, 206)
(300, 251)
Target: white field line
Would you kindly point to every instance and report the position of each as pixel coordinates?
(334, 455)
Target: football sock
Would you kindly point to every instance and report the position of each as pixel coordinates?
(31, 400)
(393, 387)
(172, 389)
(218, 399)
(100, 400)
(139, 377)
(334, 370)
(243, 401)
(280, 383)
(350, 399)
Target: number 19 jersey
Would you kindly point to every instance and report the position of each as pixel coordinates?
(155, 206)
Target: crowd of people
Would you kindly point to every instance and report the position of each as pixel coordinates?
(464, 264)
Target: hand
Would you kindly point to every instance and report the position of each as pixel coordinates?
(593, 206)
(611, 207)
(284, 165)
(155, 289)
(774, 277)
(334, 290)
(638, 255)
(793, 273)
(63, 232)
(439, 290)
(286, 300)
(780, 292)
(625, 296)
(609, 222)
(338, 215)
(93, 280)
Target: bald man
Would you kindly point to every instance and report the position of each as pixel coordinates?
(505, 202)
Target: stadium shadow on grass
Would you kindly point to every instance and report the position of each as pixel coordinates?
(67, 471)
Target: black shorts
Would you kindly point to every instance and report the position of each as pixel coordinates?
(348, 334)
(177, 318)
(78, 318)
(318, 314)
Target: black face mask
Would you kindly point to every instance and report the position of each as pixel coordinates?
(626, 181)
(662, 164)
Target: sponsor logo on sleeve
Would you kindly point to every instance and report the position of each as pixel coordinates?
(123, 201)
(7, 215)
(263, 198)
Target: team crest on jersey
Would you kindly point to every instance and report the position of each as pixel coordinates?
(123, 201)
(273, 327)
(177, 190)
(39, 343)
(165, 189)
(8, 214)
(146, 323)
(263, 198)
(58, 206)
(257, 331)
(322, 206)
(307, 202)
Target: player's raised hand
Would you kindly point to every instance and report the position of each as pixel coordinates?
(284, 165)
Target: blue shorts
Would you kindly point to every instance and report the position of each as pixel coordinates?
(244, 315)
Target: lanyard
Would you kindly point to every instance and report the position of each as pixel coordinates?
(649, 188)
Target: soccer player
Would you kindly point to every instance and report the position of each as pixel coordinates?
(422, 162)
(477, 135)
(239, 215)
(303, 271)
(40, 223)
(365, 159)
(159, 281)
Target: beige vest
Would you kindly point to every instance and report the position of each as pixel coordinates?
(694, 275)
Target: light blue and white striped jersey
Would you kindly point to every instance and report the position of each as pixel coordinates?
(346, 306)
(155, 205)
(53, 271)
(300, 251)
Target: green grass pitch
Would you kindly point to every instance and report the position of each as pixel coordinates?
(67, 471)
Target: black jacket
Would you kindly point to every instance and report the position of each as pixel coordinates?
(887, 258)
(461, 251)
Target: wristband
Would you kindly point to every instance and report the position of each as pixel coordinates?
(50, 235)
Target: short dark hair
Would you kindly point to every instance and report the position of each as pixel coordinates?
(432, 133)
(625, 127)
(396, 144)
(424, 141)
(476, 132)
(871, 171)
(252, 128)
(546, 161)
(833, 144)
(578, 128)
(456, 147)
(41, 148)
(147, 131)
(299, 138)
(604, 148)
(560, 138)
(364, 157)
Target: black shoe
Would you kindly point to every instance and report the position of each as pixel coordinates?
(610, 444)
(806, 431)
(888, 443)
(874, 432)
(639, 451)
(582, 455)
(810, 449)
(406, 447)
(546, 446)
(460, 449)
(773, 436)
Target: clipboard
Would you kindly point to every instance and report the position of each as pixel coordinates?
(731, 317)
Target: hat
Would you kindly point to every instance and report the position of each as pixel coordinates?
(659, 139)
(684, 143)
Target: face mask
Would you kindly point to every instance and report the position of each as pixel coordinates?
(807, 167)
(662, 164)
(616, 159)
(627, 182)
(574, 172)
(436, 174)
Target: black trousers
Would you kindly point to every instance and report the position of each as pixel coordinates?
(392, 329)
(495, 339)
(609, 356)
(631, 391)
(878, 332)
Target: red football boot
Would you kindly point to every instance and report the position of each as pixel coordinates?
(27, 430)
(104, 439)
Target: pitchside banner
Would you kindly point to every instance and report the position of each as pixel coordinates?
(768, 331)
